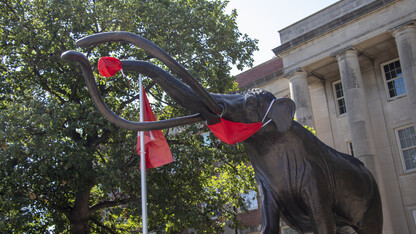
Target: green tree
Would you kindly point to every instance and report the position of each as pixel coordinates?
(64, 167)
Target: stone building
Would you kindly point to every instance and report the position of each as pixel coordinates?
(351, 70)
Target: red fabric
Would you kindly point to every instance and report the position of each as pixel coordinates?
(156, 147)
(109, 66)
(234, 132)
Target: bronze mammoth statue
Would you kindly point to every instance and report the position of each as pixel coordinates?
(308, 184)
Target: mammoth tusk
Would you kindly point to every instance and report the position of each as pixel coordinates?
(111, 116)
(158, 53)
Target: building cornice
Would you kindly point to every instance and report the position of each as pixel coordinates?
(331, 25)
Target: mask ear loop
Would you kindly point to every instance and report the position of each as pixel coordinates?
(267, 112)
(220, 115)
(222, 112)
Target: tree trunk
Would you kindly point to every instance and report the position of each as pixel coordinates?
(79, 215)
(79, 227)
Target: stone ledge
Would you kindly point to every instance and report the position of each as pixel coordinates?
(331, 25)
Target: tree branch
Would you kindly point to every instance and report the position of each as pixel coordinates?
(123, 104)
(233, 168)
(74, 89)
(46, 87)
(104, 136)
(64, 211)
(151, 84)
(158, 99)
(101, 156)
(106, 204)
(32, 131)
(109, 230)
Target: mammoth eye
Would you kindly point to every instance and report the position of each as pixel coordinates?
(251, 103)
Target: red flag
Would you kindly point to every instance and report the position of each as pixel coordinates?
(156, 147)
(109, 66)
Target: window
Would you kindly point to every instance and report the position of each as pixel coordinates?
(339, 98)
(350, 150)
(393, 79)
(414, 215)
(250, 200)
(407, 143)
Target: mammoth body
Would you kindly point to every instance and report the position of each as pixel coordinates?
(311, 186)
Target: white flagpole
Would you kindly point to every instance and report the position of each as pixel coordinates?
(143, 162)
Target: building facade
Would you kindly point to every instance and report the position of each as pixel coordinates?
(351, 70)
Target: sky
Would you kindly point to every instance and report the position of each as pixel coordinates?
(262, 19)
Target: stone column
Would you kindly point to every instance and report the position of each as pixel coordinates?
(358, 116)
(299, 91)
(406, 45)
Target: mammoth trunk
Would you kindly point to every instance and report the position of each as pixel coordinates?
(177, 90)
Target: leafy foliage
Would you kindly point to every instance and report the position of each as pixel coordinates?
(64, 167)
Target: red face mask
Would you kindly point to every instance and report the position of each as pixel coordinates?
(234, 132)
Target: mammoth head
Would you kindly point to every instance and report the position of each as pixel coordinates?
(257, 105)
(189, 93)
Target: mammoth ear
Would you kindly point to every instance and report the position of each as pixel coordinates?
(282, 112)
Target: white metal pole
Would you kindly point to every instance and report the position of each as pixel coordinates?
(143, 162)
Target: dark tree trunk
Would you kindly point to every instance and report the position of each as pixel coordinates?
(79, 215)
(79, 227)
